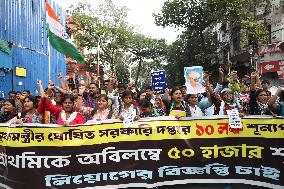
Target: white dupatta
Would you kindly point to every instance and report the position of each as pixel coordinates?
(70, 118)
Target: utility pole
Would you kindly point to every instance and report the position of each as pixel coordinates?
(138, 71)
(98, 67)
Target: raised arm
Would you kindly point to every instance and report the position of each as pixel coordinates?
(62, 83)
(207, 84)
(257, 81)
(253, 81)
(41, 90)
(76, 71)
(63, 91)
(50, 86)
(221, 76)
(54, 110)
(88, 79)
(272, 100)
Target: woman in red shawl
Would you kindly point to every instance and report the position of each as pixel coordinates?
(66, 115)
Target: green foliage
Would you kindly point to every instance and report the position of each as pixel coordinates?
(112, 15)
(145, 73)
(120, 47)
(145, 48)
(92, 32)
(187, 51)
(122, 73)
(198, 44)
(199, 15)
(192, 14)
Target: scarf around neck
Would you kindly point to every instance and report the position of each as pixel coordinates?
(6, 116)
(262, 107)
(69, 119)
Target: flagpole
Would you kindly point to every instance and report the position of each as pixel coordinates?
(229, 62)
(98, 69)
(49, 59)
(48, 46)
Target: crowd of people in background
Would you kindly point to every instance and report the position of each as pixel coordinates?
(83, 101)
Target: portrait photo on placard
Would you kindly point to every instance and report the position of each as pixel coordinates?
(193, 79)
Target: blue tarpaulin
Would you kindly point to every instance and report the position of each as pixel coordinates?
(5, 55)
(5, 60)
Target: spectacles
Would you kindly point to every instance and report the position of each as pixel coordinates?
(195, 79)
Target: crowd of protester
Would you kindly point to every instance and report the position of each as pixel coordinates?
(78, 103)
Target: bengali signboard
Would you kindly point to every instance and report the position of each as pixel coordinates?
(158, 80)
(268, 49)
(158, 152)
(273, 66)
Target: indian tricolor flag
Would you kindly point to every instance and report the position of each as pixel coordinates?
(58, 37)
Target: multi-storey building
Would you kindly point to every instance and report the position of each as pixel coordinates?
(245, 53)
